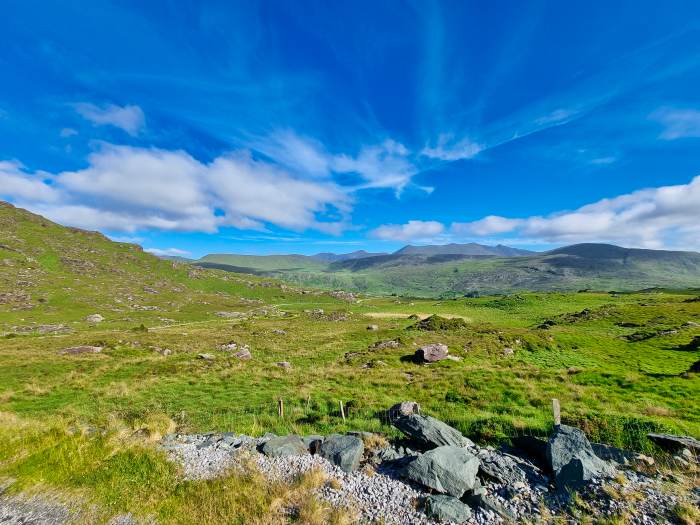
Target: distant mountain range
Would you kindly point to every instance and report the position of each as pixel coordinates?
(454, 269)
(74, 259)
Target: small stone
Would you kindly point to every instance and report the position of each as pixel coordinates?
(243, 354)
(74, 350)
(94, 318)
(206, 357)
(284, 364)
(373, 327)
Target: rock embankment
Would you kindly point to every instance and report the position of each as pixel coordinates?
(437, 475)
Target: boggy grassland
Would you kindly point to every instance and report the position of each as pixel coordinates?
(82, 425)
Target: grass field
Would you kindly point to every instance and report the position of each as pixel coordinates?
(84, 425)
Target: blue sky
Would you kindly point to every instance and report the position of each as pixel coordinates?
(299, 127)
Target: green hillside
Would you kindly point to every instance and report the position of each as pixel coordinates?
(583, 266)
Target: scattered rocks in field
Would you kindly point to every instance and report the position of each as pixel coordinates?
(74, 350)
(285, 446)
(230, 315)
(447, 509)
(674, 443)
(429, 432)
(15, 510)
(94, 318)
(404, 408)
(284, 364)
(344, 296)
(206, 357)
(343, 451)
(572, 459)
(448, 470)
(373, 327)
(383, 345)
(431, 353)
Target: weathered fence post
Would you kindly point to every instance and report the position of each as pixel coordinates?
(556, 412)
(342, 411)
(280, 407)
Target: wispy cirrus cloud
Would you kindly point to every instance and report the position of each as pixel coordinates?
(128, 118)
(678, 123)
(172, 252)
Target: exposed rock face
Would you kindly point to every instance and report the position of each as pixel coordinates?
(405, 408)
(284, 446)
(674, 443)
(572, 459)
(500, 468)
(81, 350)
(449, 470)
(343, 451)
(432, 353)
(447, 509)
(429, 432)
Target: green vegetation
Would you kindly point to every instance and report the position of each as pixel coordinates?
(84, 423)
(413, 273)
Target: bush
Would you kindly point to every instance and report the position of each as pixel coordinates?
(436, 323)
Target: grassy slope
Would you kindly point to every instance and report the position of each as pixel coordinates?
(614, 388)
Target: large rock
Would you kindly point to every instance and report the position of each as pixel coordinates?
(430, 432)
(432, 353)
(405, 408)
(449, 470)
(674, 443)
(284, 446)
(572, 459)
(500, 467)
(343, 451)
(447, 509)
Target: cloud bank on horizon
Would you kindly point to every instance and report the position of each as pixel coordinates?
(201, 128)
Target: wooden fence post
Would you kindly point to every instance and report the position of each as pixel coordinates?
(280, 407)
(342, 411)
(556, 412)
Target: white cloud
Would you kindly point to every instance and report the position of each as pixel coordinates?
(129, 118)
(412, 230)
(449, 150)
(384, 165)
(558, 116)
(667, 216)
(67, 132)
(127, 189)
(678, 123)
(167, 252)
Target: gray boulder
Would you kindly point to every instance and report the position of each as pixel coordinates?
(448, 469)
(313, 443)
(674, 443)
(405, 408)
(284, 446)
(501, 468)
(430, 432)
(432, 353)
(447, 509)
(572, 459)
(343, 451)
